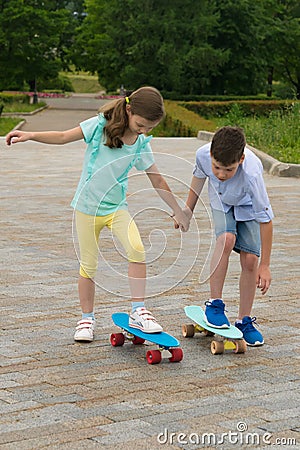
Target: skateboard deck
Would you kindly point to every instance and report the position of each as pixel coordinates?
(231, 338)
(164, 341)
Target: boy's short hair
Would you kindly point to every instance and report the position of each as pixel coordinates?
(228, 145)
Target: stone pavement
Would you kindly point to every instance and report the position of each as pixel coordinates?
(57, 394)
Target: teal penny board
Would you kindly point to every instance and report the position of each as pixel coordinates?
(229, 338)
(196, 313)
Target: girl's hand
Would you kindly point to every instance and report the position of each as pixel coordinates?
(182, 219)
(188, 213)
(17, 136)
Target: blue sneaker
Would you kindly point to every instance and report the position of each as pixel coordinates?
(251, 335)
(214, 314)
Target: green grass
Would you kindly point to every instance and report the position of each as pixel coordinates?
(7, 124)
(83, 82)
(277, 135)
(22, 107)
(180, 122)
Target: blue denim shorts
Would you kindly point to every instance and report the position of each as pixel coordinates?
(247, 233)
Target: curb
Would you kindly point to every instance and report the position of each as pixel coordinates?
(270, 164)
(19, 125)
(17, 114)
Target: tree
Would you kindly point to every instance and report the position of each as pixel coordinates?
(31, 43)
(287, 65)
(160, 43)
(281, 42)
(241, 33)
(263, 39)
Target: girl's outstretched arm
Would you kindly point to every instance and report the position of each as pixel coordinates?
(163, 190)
(45, 137)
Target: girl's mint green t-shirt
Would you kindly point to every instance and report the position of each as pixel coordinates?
(104, 179)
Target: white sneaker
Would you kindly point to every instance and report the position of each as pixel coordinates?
(85, 330)
(142, 319)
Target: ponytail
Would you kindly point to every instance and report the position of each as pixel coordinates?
(146, 102)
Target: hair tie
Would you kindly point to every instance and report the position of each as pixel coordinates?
(127, 100)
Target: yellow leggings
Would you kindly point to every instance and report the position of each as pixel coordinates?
(88, 230)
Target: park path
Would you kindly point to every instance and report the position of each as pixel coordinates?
(57, 394)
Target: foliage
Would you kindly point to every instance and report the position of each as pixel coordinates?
(158, 43)
(247, 107)
(282, 41)
(278, 134)
(191, 48)
(241, 31)
(284, 91)
(201, 47)
(211, 98)
(264, 42)
(61, 83)
(8, 97)
(34, 41)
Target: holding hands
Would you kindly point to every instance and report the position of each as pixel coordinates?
(182, 219)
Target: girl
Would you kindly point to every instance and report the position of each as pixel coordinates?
(116, 142)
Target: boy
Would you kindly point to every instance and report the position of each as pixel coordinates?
(242, 217)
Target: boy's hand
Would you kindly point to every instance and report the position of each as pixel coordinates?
(263, 280)
(182, 219)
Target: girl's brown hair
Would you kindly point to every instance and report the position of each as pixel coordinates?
(146, 102)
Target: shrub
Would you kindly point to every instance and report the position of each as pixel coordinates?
(210, 98)
(11, 97)
(248, 108)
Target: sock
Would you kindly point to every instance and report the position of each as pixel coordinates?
(90, 315)
(238, 321)
(135, 305)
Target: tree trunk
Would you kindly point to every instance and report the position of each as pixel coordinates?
(270, 81)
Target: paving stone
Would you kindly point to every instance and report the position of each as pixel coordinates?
(58, 394)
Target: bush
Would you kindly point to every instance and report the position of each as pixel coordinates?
(59, 84)
(210, 98)
(11, 97)
(247, 107)
(284, 91)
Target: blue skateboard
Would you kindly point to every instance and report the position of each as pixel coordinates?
(230, 338)
(165, 342)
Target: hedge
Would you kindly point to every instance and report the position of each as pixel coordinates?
(179, 122)
(9, 97)
(247, 107)
(211, 98)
